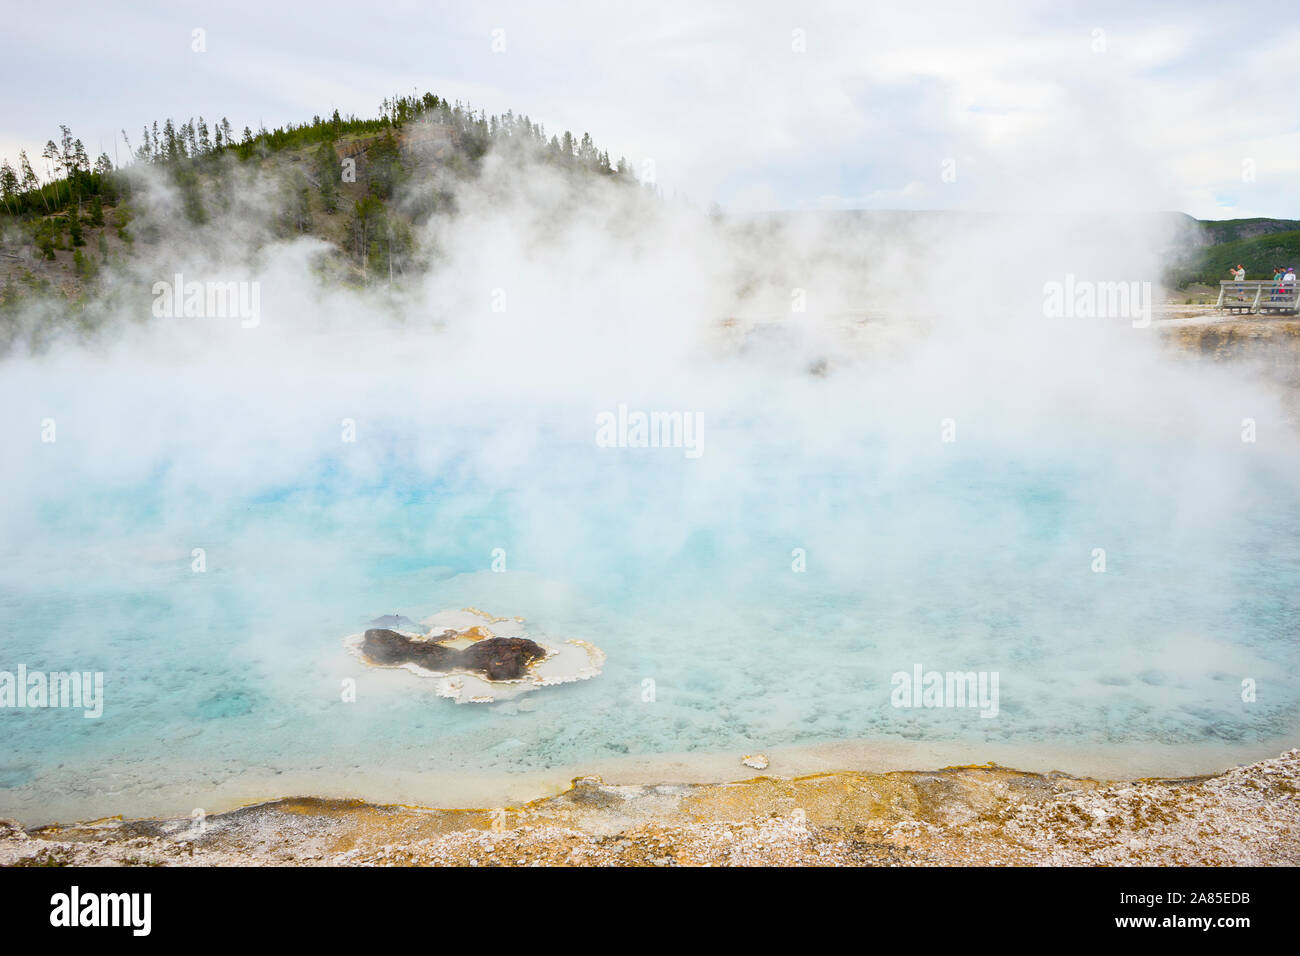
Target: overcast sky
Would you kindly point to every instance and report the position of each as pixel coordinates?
(907, 105)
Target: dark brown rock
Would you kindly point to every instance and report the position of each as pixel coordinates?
(496, 658)
(501, 658)
(383, 646)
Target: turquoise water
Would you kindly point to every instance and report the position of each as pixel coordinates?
(970, 556)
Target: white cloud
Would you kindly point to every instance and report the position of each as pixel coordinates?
(719, 98)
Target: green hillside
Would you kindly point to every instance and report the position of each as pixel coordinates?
(1230, 230)
(1258, 254)
(362, 184)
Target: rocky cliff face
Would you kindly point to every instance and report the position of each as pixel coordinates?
(1270, 345)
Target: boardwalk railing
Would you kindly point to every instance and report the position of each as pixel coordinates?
(1259, 295)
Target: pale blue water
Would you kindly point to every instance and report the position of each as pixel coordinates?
(975, 556)
(979, 565)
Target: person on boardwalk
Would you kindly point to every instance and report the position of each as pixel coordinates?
(1238, 275)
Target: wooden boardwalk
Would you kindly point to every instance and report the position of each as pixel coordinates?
(1254, 296)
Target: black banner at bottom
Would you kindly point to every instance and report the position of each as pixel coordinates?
(334, 905)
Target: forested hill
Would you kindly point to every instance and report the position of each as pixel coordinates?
(337, 178)
(1258, 244)
(366, 185)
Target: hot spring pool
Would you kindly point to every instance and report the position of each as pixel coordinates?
(715, 644)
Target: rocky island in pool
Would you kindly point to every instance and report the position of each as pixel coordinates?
(496, 658)
(475, 657)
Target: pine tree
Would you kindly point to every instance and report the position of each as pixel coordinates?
(31, 182)
(45, 242)
(327, 172)
(67, 151)
(8, 185)
(84, 265)
(80, 165)
(171, 149)
(122, 219)
(51, 156)
(74, 226)
(299, 208)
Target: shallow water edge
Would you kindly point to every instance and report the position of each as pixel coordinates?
(206, 791)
